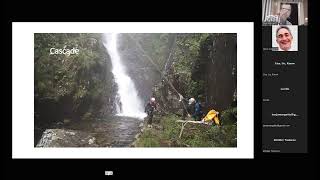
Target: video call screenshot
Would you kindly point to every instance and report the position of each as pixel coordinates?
(227, 85)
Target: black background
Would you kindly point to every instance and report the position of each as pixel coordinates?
(262, 166)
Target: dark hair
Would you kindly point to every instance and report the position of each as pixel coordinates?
(283, 27)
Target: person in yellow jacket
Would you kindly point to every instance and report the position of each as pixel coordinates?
(212, 116)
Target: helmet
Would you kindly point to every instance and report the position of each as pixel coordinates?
(191, 100)
(153, 99)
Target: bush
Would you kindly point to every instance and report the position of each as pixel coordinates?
(229, 116)
(194, 135)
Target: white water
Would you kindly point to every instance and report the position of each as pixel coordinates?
(130, 105)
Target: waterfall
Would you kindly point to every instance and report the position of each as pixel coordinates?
(128, 103)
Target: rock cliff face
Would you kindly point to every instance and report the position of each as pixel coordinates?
(75, 87)
(215, 72)
(217, 68)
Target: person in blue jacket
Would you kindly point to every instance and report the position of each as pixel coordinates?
(198, 113)
(195, 109)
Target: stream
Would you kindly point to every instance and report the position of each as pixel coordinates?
(112, 131)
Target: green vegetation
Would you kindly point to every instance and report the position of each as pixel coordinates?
(174, 55)
(166, 134)
(229, 116)
(185, 57)
(74, 81)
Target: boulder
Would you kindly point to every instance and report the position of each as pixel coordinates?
(66, 138)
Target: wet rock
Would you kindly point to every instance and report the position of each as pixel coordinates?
(70, 133)
(91, 141)
(109, 132)
(66, 138)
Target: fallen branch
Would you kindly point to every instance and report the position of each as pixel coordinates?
(184, 123)
(195, 122)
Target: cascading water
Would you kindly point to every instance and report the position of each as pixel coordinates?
(129, 103)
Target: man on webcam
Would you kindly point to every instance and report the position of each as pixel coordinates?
(281, 18)
(284, 38)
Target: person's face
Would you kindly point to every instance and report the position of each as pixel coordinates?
(285, 11)
(284, 39)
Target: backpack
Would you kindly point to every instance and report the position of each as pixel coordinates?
(198, 108)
